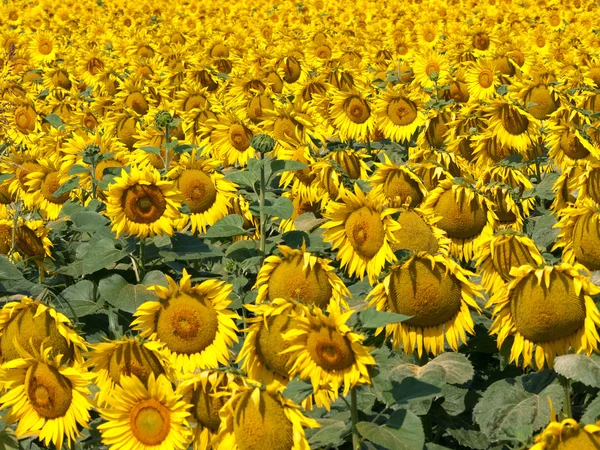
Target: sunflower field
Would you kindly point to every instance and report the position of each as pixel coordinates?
(299, 224)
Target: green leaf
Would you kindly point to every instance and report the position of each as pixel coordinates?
(127, 297)
(76, 169)
(182, 148)
(543, 233)
(243, 178)
(411, 389)
(54, 120)
(544, 189)
(282, 208)
(8, 439)
(110, 287)
(308, 222)
(228, 226)
(131, 296)
(454, 367)
(73, 183)
(8, 271)
(101, 254)
(242, 250)
(403, 431)
(371, 318)
(592, 411)
(470, 438)
(297, 390)
(81, 298)
(330, 434)
(88, 221)
(155, 277)
(513, 409)
(285, 165)
(583, 368)
(151, 149)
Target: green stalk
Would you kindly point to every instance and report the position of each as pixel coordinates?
(261, 203)
(567, 404)
(142, 258)
(354, 412)
(167, 140)
(93, 174)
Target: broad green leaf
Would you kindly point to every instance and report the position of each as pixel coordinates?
(228, 226)
(77, 169)
(583, 368)
(470, 438)
(544, 189)
(592, 411)
(403, 431)
(54, 120)
(371, 318)
(131, 296)
(8, 439)
(73, 183)
(155, 277)
(81, 298)
(455, 367)
(513, 409)
(282, 208)
(543, 233)
(110, 287)
(308, 222)
(8, 271)
(243, 178)
(101, 254)
(330, 434)
(151, 149)
(88, 221)
(284, 165)
(454, 399)
(411, 389)
(127, 297)
(242, 250)
(297, 390)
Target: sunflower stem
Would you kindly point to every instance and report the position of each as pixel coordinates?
(142, 263)
(167, 141)
(536, 158)
(354, 411)
(567, 404)
(261, 202)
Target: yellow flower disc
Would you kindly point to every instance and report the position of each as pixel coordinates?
(60, 78)
(239, 137)
(364, 230)
(49, 392)
(144, 203)
(206, 409)
(357, 109)
(513, 122)
(45, 46)
(24, 327)
(291, 282)
(25, 118)
(329, 349)
(481, 41)
(431, 67)
(486, 78)
(572, 147)
(511, 253)
(136, 101)
(219, 51)
(264, 428)
(50, 184)
(586, 241)
(187, 324)
(284, 129)
(5, 239)
(199, 191)
(133, 359)
(431, 296)
(399, 184)
(270, 344)
(194, 101)
(593, 185)
(414, 235)
(401, 111)
(150, 422)
(460, 220)
(544, 102)
(257, 105)
(547, 314)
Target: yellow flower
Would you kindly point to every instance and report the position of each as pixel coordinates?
(398, 184)
(399, 113)
(193, 323)
(145, 416)
(482, 80)
(513, 126)
(352, 114)
(437, 293)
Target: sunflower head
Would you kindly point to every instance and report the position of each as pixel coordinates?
(580, 234)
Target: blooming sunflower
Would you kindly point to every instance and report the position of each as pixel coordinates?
(467, 216)
(43, 48)
(481, 79)
(580, 234)
(44, 182)
(547, 309)
(419, 233)
(437, 293)
(352, 114)
(399, 113)
(29, 324)
(362, 229)
(126, 357)
(299, 275)
(498, 255)
(589, 182)
(47, 399)
(32, 242)
(322, 348)
(567, 434)
(140, 203)
(145, 416)
(229, 139)
(428, 64)
(262, 354)
(513, 126)
(204, 392)
(256, 418)
(352, 163)
(193, 322)
(205, 191)
(398, 184)
(567, 145)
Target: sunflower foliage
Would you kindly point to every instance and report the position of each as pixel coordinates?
(299, 225)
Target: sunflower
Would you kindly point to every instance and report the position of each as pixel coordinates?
(29, 324)
(204, 391)
(193, 322)
(45, 182)
(430, 68)
(467, 216)
(126, 357)
(481, 79)
(567, 434)
(362, 229)
(398, 184)
(43, 48)
(145, 416)
(437, 293)
(419, 233)
(322, 348)
(47, 399)
(206, 192)
(513, 126)
(32, 242)
(567, 145)
(299, 275)
(257, 418)
(399, 113)
(140, 203)
(589, 182)
(580, 234)
(262, 356)
(498, 255)
(548, 309)
(229, 139)
(352, 114)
